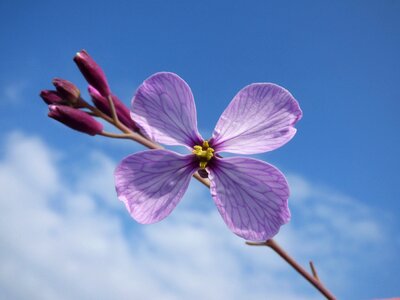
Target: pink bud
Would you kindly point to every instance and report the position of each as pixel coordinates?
(52, 97)
(75, 119)
(92, 72)
(67, 90)
(123, 112)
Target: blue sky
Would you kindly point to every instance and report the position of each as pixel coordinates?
(339, 59)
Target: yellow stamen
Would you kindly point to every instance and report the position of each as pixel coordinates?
(204, 154)
(203, 165)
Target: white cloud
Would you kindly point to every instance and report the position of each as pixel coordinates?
(97, 178)
(63, 240)
(340, 233)
(13, 92)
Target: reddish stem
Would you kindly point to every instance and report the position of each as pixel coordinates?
(282, 253)
(314, 271)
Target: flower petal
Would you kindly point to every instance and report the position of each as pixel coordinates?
(251, 196)
(151, 183)
(260, 118)
(164, 108)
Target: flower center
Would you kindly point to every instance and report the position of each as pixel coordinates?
(204, 154)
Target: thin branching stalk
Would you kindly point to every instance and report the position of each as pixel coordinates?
(313, 270)
(113, 110)
(309, 277)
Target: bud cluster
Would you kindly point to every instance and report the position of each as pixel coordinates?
(67, 106)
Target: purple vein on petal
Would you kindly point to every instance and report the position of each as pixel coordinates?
(251, 196)
(151, 183)
(164, 108)
(261, 116)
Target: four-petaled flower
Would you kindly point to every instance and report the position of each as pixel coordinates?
(251, 195)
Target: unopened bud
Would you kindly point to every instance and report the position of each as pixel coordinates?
(52, 97)
(67, 90)
(102, 103)
(75, 119)
(92, 72)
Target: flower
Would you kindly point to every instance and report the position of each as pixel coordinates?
(75, 119)
(67, 90)
(92, 72)
(251, 195)
(52, 97)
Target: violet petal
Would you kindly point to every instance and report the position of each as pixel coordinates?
(164, 109)
(251, 196)
(260, 118)
(151, 183)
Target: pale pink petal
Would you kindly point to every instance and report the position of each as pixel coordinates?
(164, 109)
(151, 183)
(251, 196)
(260, 118)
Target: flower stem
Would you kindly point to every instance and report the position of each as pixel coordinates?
(116, 135)
(310, 278)
(113, 111)
(134, 136)
(313, 270)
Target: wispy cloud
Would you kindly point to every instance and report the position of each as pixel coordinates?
(346, 237)
(67, 239)
(13, 92)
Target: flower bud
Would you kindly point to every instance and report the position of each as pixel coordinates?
(75, 119)
(52, 97)
(123, 113)
(92, 72)
(67, 90)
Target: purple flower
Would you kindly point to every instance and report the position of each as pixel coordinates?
(52, 97)
(67, 90)
(75, 119)
(92, 72)
(251, 195)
